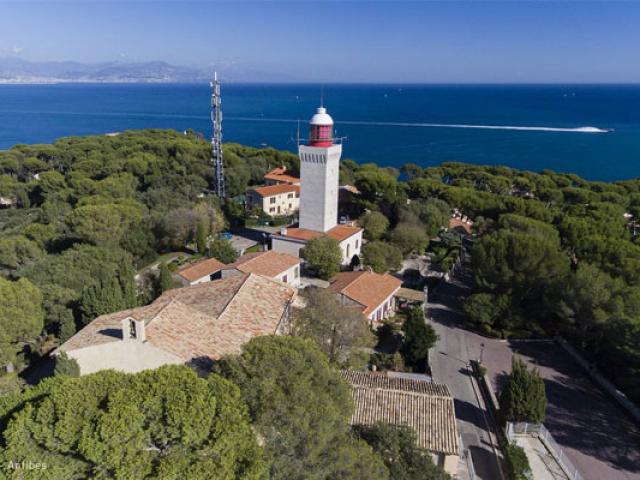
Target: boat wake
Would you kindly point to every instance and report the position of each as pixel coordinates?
(439, 125)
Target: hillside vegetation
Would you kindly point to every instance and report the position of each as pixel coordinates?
(91, 210)
(555, 254)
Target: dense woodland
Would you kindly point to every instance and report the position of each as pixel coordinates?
(554, 254)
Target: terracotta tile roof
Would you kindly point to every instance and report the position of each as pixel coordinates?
(466, 226)
(339, 232)
(271, 190)
(269, 263)
(200, 269)
(426, 407)
(210, 319)
(367, 288)
(281, 175)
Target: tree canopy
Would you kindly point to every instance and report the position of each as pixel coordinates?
(301, 407)
(163, 423)
(523, 397)
(21, 317)
(381, 256)
(397, 446)
(375, 224)
(323, 254)
(418, 339)
(339, 331)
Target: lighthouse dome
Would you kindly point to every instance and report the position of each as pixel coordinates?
(321, 117)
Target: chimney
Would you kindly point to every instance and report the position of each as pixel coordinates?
(133, 330)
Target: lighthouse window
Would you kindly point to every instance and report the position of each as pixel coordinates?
(132, 329)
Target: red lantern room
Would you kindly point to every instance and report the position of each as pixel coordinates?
(321, 129)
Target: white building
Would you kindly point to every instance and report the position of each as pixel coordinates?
(274, 200)
(319, 175)
(371, 292)
(194, 325)
(293, 240)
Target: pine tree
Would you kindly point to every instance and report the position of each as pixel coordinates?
(523, 398)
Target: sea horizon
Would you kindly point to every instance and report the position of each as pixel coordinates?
(520, 125)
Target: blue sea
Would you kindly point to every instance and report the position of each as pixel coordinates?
(386, 124)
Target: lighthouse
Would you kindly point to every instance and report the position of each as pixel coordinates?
(319, 175)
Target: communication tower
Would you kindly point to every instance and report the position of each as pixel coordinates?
(216, 139)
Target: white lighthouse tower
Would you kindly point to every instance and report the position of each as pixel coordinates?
(319, 175)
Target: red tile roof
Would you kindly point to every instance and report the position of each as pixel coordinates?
(271, 190)
(367, 288)
(466, 226)
(339, 232)
(280, 175)
(269, 263)
(201, 268)
(210, 319)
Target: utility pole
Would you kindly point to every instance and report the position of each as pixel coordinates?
(216, 139)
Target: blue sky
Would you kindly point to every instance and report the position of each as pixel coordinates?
(332, 41)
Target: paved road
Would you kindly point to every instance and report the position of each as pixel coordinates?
(593, 431)
(449, 364)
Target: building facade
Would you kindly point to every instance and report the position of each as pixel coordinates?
(275, 200)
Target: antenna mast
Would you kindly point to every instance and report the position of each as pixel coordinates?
(216, 139)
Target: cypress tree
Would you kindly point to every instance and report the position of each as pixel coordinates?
(418, 339)
(523, 398)
(201, 236)
(166, 280)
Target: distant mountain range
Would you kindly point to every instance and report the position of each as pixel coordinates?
(16, 70)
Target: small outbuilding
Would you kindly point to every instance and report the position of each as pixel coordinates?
(426, 407)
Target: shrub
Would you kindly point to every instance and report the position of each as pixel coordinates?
(517, 462)
(66, 366)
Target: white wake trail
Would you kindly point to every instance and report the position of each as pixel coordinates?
(438, 125)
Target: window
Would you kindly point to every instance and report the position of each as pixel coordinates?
(357, 243)
(272, 209)
(272, 200)
(297, 194)
(348, 249)
(290, 195)
(284, 278)
(297, 272)
(132, 329)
